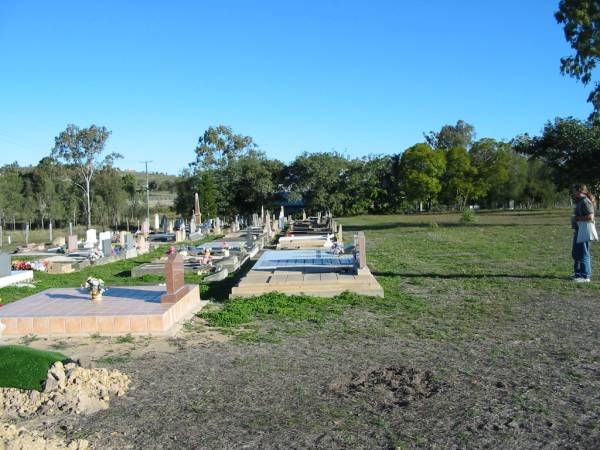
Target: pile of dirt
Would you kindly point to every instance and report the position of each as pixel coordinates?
(389, 387)
(19, 438)
(69, 389)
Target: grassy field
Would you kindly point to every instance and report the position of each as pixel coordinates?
(481, 341)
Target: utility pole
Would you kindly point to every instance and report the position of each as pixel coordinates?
(147, 192)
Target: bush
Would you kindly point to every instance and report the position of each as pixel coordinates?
(24, 367)
(468, 216)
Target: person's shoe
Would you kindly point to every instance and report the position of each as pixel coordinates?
(582, 280)
(574, 277)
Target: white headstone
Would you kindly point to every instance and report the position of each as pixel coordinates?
(90, 238)
(156, 222)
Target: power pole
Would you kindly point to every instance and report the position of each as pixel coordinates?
(147, 192)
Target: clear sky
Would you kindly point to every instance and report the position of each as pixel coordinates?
(360, 77)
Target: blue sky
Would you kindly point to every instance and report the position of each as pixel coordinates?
(358, 77)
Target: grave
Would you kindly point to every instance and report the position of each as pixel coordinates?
(137, 310)
(311, 272)
(8, 276)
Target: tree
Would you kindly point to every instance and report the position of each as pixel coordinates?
(581, 19)
(421, 168)
(459, 135)
(11, 188)
(82, 149)
(219, 146)
(459, 182)
(570, 147)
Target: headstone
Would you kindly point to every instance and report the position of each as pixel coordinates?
(164, 224)
(146, 226)
(511, 204)
(303, 215)
(192, 225)
(170, 226)
(59, 241)
(197, 214)
(9, 240)
(249, 237)
(106, 247)
(1, 237)
(129, 242)
(174, 273)
(156, 222)
(70, 228)
(141, 242)
(5, 265)
(103, 235)
(281, 218)
(361, 248)
(26, 233)
(122, 235)
(90, 238)
(50, 230)
(72, 243)
(340, 235)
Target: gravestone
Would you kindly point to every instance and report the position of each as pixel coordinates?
(170, 226)
(339, 235)
(90, 238)
(59, 241)
(104, 235)
(5, 265)
(141, 242)
(164, 224)
(145, 226)
(72, 244)
(174, 273)
(156, 222)
(192, 225)
(197, 214)
(361, 248)
(50, 232)
(122, 235)
(26, 233)
(106, 247)
(129, 243)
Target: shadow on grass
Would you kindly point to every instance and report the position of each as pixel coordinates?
(220, 290)
(458, 276)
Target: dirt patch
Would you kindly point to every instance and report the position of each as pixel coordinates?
(14, 437)
(68, 389)
(389, 387)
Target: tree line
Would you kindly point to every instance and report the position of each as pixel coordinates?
(449, 170)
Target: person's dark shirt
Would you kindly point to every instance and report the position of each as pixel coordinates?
(584, 207)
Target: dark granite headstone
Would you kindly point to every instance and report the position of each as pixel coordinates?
(5, 265)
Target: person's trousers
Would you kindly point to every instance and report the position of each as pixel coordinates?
(582, 258)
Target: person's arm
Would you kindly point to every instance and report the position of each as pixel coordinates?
(586, 218)
(588, 212)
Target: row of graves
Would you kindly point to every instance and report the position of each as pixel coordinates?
(311, 259)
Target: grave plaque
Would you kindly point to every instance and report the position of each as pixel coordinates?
(5, 265)
(72, 243)
(106, 247)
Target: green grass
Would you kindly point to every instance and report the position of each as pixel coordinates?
(24, 367)
(443, 279)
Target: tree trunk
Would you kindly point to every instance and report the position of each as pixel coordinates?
(89, 206)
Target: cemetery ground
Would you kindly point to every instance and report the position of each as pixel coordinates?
(481, 341)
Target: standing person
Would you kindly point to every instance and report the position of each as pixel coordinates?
(584, 212)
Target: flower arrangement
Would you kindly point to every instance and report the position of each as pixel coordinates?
(95, 255)
(39, 266)
(95, 287)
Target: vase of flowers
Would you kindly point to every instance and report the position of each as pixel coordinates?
(95, 287)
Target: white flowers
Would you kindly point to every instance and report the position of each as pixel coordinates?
(94, 285)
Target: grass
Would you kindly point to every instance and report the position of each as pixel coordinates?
(443, 277)
(24, 367)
